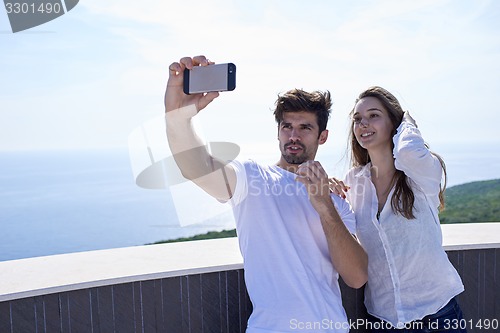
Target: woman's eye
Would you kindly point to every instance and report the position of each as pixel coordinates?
(373, 115)
(356, 120)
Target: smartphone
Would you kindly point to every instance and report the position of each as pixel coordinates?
(217, 77)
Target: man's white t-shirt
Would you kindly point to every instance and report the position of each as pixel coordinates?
(288, 271)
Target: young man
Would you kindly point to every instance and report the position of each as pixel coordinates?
(293, 241)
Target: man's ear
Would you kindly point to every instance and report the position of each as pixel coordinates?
(323, 137)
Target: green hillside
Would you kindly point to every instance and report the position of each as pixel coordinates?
(467, 203)
(472, 202)
(208, 235)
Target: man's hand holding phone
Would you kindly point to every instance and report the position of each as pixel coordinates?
(203, 79)
(175, 98)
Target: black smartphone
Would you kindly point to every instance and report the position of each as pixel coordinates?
(217, 77)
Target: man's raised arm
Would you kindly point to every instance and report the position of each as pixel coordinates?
(190, 153)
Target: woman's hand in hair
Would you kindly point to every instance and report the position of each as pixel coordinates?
(409, 119)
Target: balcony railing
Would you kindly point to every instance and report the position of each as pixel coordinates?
(196, 287)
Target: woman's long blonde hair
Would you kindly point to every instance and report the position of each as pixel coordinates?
(403, 199)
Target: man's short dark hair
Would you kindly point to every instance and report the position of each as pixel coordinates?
(297, 100)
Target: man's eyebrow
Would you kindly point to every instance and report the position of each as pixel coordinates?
(309, 125)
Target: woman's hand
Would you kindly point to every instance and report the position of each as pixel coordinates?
(409, 119)
(338, 187)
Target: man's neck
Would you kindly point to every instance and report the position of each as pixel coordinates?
(287, 166)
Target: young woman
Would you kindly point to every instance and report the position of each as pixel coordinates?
(395, 190)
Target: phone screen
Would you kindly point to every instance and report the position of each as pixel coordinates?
(201, 79)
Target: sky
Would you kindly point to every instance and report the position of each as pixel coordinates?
(89, 78)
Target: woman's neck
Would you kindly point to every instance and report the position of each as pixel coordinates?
(382, 175)
(382, 163)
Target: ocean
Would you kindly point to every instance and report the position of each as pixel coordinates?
(54, 202)
(60, 202)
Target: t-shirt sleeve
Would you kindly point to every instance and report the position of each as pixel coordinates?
(346, 213)
(241, 189)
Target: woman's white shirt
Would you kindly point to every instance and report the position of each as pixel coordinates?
(409, 274)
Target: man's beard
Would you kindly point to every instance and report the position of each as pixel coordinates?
(295, 159)
(292, 158)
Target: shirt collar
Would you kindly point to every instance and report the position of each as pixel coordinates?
(364, 171)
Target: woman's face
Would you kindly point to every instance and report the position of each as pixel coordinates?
(371, 124)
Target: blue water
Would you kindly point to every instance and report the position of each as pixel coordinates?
(61, 202)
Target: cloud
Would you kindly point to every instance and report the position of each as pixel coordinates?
(430, 53)
(345, 47)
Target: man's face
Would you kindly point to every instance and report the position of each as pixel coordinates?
(299, 137)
